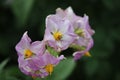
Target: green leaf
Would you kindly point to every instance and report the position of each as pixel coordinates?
(2, 64)
(12, 70)
(29, 78)
(11, 78)
(63, 69)
(21, 9)
(39, 79)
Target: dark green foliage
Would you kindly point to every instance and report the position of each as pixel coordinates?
(17, 16)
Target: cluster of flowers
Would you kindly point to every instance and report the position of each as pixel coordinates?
(63, 30)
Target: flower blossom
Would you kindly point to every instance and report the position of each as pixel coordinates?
(81, 26)
(41, 66)
(27, 50)
(73, 18)
(63, 30)
(59, 33)
(34, 60)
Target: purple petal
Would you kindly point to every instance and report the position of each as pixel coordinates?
(49, 59)
(23, 65)
(38, 47)
(23, 44)
(48, 35)
(61, 57)
(91, 31)
(64, 27)
(51, 24)
(60, 12)
(77, 55)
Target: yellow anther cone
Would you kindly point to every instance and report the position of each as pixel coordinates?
(49, 68)
(28, 53)
(57, 36)
(87, 54)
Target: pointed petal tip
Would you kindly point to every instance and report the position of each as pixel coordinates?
(69, 8)
(25, 33)
(58, 9)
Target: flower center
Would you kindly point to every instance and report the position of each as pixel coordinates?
(27, 53)
(57, 35)
(49, 68)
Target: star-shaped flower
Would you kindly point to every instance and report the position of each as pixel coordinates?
(82, 29)
(59, 33)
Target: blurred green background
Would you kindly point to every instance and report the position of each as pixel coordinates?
(18, 16)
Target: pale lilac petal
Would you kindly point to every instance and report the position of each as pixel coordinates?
(43, 73)
(61, 57)
(69, 11)
(38, 47)
(65, 26)
(48, 35)
(49, 59)
(53, 44)
(90, 45)
(60, 12)
(23, 44)
(82, 41)
(77, 55)
(50, 23)
(36, 63)
(30, 66)
(59, 44)
(67, 40)
(91, 31)
(70, 14)
(49, 39)
(23, 65)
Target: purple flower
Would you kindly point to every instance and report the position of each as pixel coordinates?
(41, 66)
(59, 34)
(73, 18)
(29, 49)
(34, 60)
(84, 39)
(81, 26)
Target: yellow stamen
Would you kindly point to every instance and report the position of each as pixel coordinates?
(49, 68)
(57, 35)
(87, 54)
(27, 53)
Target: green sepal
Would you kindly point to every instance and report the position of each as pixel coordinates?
(77, 47)
(79, 32)
(52, 51)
